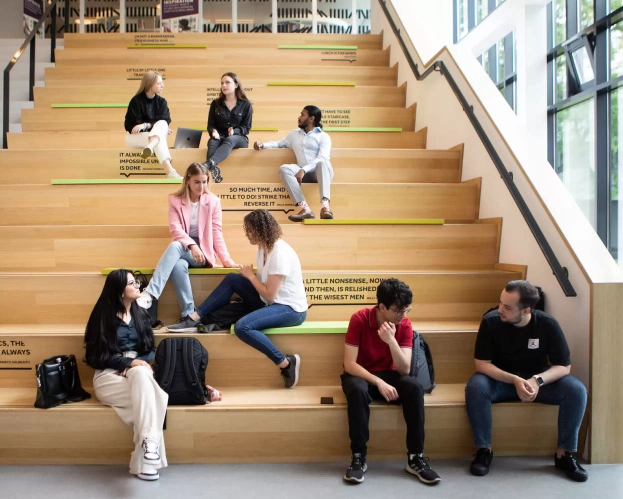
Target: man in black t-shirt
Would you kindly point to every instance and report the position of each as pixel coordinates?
(522, 354)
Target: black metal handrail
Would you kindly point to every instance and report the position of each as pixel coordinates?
(559, 271)
(30, 40)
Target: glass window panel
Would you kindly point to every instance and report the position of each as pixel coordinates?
(462, 24)
(561, 78)
(560, 22)
(501, 61)
(615, 4)
(616, 50)
(482, 10)
(500, 2)
(616, 164)
(587, 13)
(575, 155)
(485, 61)
(582, 65)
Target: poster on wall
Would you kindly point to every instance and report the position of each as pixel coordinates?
(33, 10)
(179, 16)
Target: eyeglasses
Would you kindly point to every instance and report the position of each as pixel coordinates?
(401, 313)
(136, 284)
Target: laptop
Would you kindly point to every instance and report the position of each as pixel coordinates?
(187, 138)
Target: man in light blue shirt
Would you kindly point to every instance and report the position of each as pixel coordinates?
(312, 148)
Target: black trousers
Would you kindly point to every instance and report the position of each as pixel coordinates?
(359, 394)
(219, 150)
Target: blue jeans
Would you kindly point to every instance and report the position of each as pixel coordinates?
(174, 263)
(248, 329)
(568, 393)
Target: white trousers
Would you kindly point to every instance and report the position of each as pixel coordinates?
(141, 140)
(139, 402)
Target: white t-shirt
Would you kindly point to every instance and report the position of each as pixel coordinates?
(194, 232)
(283, 260)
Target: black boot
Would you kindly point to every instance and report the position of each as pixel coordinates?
(153, 315)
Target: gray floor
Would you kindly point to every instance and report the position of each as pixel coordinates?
(509, 478)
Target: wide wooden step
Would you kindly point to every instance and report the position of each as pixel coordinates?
(197, 95)
(93, 248)
(218, 40)
(269, 425)
(148, 204)
(232, 363)
(448, 296)
(115, 140)
(233, 57)
(210, 74)
(349, 165)
(196, 116)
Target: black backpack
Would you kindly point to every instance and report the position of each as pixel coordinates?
(422, 367)
(223, 318)
(180, 370)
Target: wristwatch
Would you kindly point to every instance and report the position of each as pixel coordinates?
(539, 380)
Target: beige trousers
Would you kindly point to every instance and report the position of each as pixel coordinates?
(140, 403)
(141, 140)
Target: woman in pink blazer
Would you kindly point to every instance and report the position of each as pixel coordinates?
(195, 223)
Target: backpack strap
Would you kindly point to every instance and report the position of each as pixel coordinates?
(191, 375)
(169, 363)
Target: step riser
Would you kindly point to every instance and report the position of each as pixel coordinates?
(90, 141)
(147, 204)
(48, 299)
(234, 364)
(186, 116)
(265, 436)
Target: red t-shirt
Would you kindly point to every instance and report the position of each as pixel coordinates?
(374, 354)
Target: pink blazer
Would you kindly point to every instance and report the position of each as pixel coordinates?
(209, 226)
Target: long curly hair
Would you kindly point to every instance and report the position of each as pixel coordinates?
(262, 225)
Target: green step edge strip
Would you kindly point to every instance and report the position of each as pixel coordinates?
(89, 106)
(431, 221)
(217, 271)
(363, 129)
(337, 327)
(318, 47)
(109, 181)
(310, 84)
(167, 46)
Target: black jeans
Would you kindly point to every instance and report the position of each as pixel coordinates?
(359, 393)
(219, 150)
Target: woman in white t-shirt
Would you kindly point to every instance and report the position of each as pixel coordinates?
(275, 296)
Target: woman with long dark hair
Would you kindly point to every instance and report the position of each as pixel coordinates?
(195, 223)
(275, 296)
(229, 123)
(120, 346)
(147, 122)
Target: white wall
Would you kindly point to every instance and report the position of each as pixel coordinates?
(11, 19)
(439, 110)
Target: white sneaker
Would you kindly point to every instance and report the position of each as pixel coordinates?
(151, 453)
(148, 152)
(173, 174)
(144, 300)
(149, 477)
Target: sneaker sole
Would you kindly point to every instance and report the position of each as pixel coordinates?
(296, 370)
(421, 478)
(148, 478)
(153, 462)
(184, 330)
(353, 479)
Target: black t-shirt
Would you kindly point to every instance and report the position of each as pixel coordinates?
(523, 351)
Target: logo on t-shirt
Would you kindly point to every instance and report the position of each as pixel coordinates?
(533, 344)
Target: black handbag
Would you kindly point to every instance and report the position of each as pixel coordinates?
(58, 382)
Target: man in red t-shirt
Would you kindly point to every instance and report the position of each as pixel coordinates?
(377, 365)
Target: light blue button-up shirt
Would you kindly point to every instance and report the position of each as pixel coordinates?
(309, 148)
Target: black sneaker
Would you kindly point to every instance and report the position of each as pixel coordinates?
(215, 171)
(184, 325)
(156, 326)
(357, 468)
(291, 373)
(418, 466)
(571, 467)
(482, 461)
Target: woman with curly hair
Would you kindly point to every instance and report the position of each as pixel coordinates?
(275, 297)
